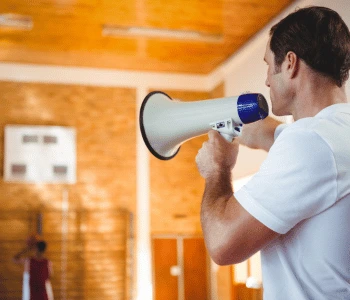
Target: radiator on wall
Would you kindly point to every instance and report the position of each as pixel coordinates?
(40, 154)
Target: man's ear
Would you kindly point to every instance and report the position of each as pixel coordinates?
(292, 64)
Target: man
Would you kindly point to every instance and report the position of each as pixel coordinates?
(296, 209)
(37, 272)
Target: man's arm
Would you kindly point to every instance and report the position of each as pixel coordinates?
(260, 134)
(231, 234)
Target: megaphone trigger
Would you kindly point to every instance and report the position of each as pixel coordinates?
(227, 128)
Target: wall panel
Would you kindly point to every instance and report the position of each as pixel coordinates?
(105, 122)
(95, 243)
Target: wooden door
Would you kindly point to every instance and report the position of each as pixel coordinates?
(244, 293)
(180, 269)
(164, 258)
(195, 269)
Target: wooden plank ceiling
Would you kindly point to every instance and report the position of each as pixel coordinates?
(70, 32)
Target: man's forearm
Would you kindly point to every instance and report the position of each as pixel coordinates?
(215, 161)
(259, 135)
(218, 191)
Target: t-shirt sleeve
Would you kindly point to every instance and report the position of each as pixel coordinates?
(279, 130)
(295, 182)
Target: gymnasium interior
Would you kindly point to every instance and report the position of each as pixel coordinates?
(119, 222)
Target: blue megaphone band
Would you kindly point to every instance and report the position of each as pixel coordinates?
(252, 107)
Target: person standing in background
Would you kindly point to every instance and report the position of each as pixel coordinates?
(37, 272)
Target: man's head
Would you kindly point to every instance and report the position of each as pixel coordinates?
(41, 246)
(319, 37)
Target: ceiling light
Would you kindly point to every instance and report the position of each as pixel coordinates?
(110, 30)
(16, 21)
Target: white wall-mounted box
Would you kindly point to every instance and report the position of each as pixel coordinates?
(40, 154)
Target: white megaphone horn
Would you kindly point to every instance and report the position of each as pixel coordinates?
(165, 124)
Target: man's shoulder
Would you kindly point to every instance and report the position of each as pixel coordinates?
(304, 129)
(302, 143)
(319, 126)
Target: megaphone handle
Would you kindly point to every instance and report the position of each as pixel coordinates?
(227, 128)
(227, 137)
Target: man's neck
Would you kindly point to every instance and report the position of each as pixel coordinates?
(314, 97)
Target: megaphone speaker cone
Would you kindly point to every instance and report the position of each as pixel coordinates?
(153, 103)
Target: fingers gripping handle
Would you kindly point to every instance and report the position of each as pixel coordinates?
(227, 128)
(227, 137)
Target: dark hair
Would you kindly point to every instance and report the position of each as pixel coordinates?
(41, 246)
(318, 36)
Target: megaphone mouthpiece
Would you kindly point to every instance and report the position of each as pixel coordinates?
(166, 124)
(252, 107)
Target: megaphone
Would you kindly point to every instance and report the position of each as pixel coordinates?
(166, 124)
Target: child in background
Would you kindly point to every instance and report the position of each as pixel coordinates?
(37, 271)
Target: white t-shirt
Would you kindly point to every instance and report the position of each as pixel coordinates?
(302, 191)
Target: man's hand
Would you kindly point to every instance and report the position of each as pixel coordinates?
(216, 155)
